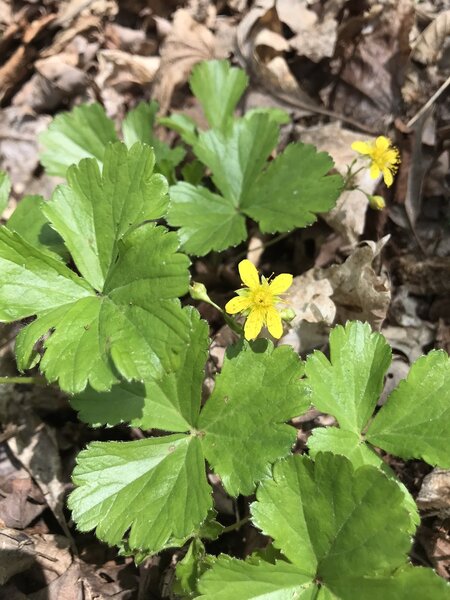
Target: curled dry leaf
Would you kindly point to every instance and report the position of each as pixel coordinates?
(119, 69)
(351, 291)
(348, 216)
(188, 43)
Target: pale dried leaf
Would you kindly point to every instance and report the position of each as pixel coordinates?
(188, 43)
(348, 216)
(119, 69)
(358, 292)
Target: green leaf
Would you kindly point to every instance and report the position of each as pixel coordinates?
(237, 155)
(246, 413)
(293, 189)
(135, 328)
(232, 578)
(349, 385)
(171, 403)
(32, 281)
(189, 569)
(138, 126)
(359, 453)
(29, 222)
(81, 133)
(100, 208)
(185, 126)
(409, 583)
(155, 488)
(346, 443)
(333, 521)
(219, 87)
(415, 421)
(5, 189)
(207, 221)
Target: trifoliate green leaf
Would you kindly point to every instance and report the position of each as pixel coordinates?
(415, 421)
(359, 453)
(81, 133)
(5, 189)
(237, 155)
(138, 126)
(219, 87)
(171, 403)
(207, 221)
(349, 385)
(94, 211)
(293, 189)
(258, 389)
(155, 488)
(123, 319)
(232, 578)
(135, 321)
(29, 222)
(332, 521)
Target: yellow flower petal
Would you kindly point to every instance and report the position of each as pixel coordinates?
(362, 147)
(253, 324)
(274, 324)
(374, 171)
(382, 143)
(388, 178)
(281, 283)
(248, 273)
(237, 304)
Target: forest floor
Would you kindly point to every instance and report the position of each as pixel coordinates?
(344, 70)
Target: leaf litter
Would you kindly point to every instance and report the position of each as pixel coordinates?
(339, 69)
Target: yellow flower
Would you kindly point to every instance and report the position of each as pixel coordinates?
(384, 157)
(258, 301)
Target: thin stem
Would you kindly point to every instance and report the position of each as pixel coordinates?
(236, 526)
(25, 380)
(271, 242)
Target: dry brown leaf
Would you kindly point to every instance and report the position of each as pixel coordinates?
(358, 292)
(411, 341)
(119, 69)
(260, 47)
(188, 43)
(431, 43)
(56, 79)
(371, 64)
(36, 448)
(434, 495)
(17, 553)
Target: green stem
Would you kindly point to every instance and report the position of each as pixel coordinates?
(236, 525)
(25, 380)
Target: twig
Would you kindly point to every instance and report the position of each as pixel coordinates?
(427, 105)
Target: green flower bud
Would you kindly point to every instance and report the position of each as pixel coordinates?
(376, 202)
(287, 314)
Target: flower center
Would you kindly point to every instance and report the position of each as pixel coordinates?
(262, 297)
(385, 159)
